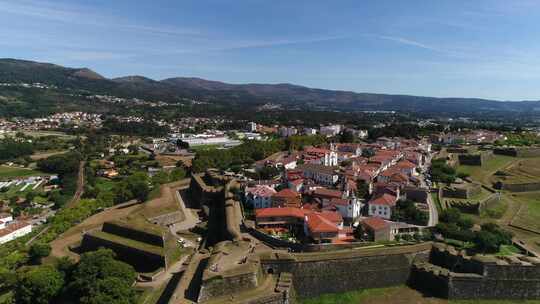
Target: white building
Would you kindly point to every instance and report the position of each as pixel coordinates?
(310, 131)
(5, 219)
(330, 159)
(348, 208)
(362, 134)
(321, 174)
(382, 206)
(331, 130)
(13, 231)
(252, 127)
(217, 140)
(260, 196)
(287, 131)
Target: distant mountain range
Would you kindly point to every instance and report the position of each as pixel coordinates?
(13, 70)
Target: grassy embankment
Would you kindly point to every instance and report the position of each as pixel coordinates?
(396, 295)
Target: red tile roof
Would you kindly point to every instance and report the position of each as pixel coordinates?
(312, 150)
(385, 199)
(12, 228)
(287, 193)
(334, 217)
(389, 172)
(327, 192)
(405, 164)
(375, 223)
(339, 201)
(318, 223)
(280, 212)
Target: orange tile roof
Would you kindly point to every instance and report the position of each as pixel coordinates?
(12, 228)
(287, 193)
(280, 212)
(327, 192)
(334, 217)
(385, 199)
(375, 223)
(405, 164)
(318, 223)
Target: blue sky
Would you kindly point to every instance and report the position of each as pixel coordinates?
(487, 49)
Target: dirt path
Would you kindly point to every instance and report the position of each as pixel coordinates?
(80, 186)
(41, 155)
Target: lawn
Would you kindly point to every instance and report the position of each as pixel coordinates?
(483, 173)
(496, 209)
(104, 184)
(350, 297)
(203, 147)
(396, 295)
(506, 250)
(529, 213)
(13, 172)
(521, 171)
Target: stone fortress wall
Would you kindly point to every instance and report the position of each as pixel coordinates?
(426, 265)
(474, 159)
(143, 261)
(518, 152)
(454, 275)
(231, 267)
(346, 270)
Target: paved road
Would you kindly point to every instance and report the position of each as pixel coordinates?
(433, 212)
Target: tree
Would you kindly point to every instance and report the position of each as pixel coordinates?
(38, 251)
(362, 188)
(487, 242)
(450, 215)
(346, 137)
(133, 149)
(182, 144)
(177, 174)
(122, 193)
(359, 232)
(368, 153)
(160, 178)
(8, 278)
(138, 185)
(29, 197)
(110, 290)
(97, 276)
(39, 285)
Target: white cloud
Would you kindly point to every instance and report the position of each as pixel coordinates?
(85, 16)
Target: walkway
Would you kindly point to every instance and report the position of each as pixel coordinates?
(80, 186)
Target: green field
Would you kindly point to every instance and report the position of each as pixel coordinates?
(104, 184)
(204, 147)
(521, 171)
(483, 173)
(13, 172)
(128, 242)
(529, 214)
(396, 295)
(15, 191)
